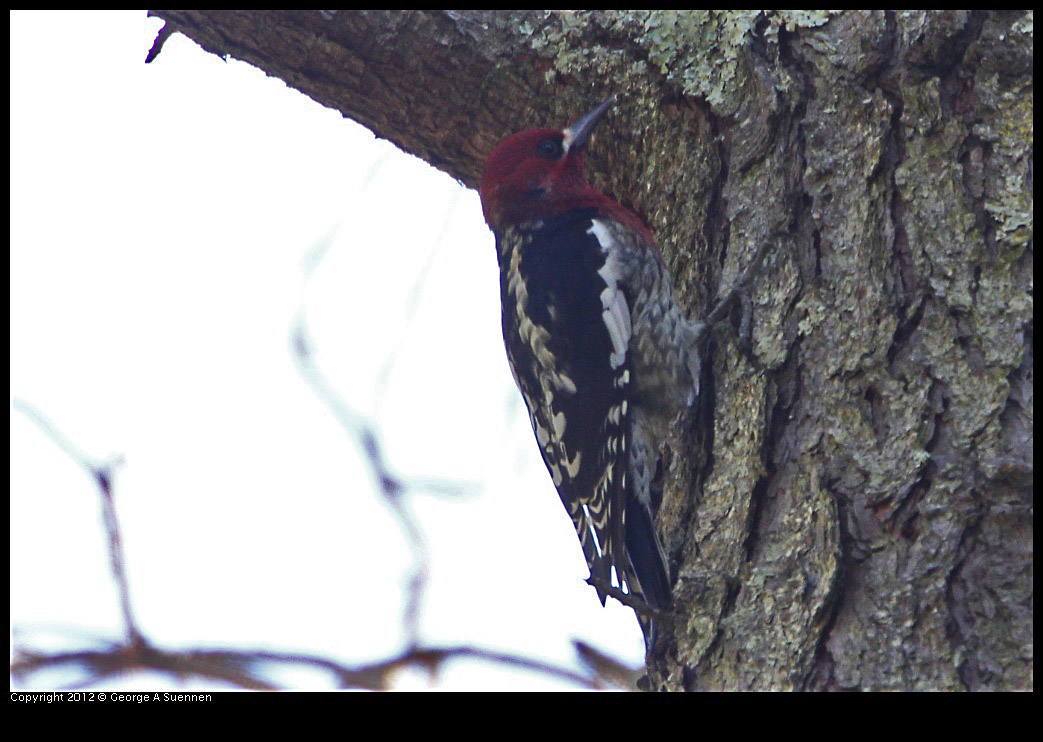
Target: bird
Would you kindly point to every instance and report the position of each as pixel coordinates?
(602, 353)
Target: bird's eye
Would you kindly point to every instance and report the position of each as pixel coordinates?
(550, 148)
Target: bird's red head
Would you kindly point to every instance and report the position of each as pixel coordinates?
(539, 173)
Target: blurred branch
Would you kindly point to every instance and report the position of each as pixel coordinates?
(608, 669)
(243, 668)
(413, 302)
(102, 476)
(391, 487)
(364, 432)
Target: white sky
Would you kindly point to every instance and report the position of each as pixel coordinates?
(161, 220)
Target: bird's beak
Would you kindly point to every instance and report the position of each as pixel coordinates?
(576, 136)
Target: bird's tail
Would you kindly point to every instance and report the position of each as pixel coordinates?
(648, 576)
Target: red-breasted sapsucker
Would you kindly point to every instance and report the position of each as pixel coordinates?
(598, 346)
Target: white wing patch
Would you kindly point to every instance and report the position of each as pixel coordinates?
(615, 312)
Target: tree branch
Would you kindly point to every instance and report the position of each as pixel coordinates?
(102, 475)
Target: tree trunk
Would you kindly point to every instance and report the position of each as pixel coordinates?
(853, 508)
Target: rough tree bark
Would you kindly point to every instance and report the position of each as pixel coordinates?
(853, 510)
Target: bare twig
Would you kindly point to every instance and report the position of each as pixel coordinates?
(412, 303)
(161, 39)
(608, 669)
(363, 431)
(102, 475)
(390, 486)
(243, 668)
